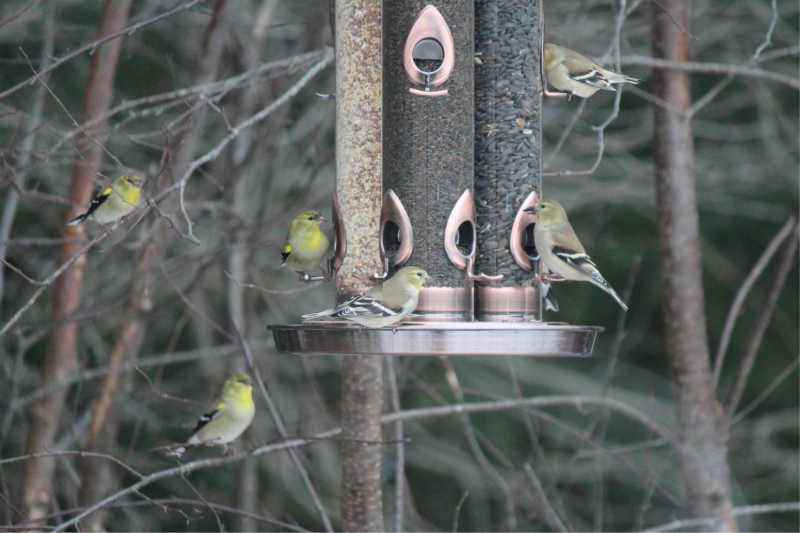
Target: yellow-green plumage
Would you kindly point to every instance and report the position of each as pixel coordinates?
(115, 202)
(305, 245)
(231, 415)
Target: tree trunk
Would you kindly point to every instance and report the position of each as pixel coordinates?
(45, 415)
(700, 422)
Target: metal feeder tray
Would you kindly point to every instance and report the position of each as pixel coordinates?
(546, 339)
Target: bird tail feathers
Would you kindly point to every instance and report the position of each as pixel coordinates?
(311, 316)
(176, 452)
(77, 220)
(549, 298)
(613, 293)
(613, 77)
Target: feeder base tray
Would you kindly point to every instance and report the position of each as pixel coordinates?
(544, 339)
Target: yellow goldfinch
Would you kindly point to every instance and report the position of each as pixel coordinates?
(230, 417)
(305, 245)
(561, 251)
(117, 201)
(384, 304)
(568, 71)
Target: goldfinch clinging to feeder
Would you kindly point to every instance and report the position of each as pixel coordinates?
(569, 71)
(383, 305)
(229, 418)
(561, 251)
(117, 201)
(305, 245)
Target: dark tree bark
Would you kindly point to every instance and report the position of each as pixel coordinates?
(45, 414)
(700, 421)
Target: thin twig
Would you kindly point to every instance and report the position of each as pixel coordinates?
(94, 44)
(49, 281)
(19, 13)
(685, 525)
(457, 510)
(276, 418)
(258, 117)
(178, 501)
(677, 24)
(305, 287)
(744, 291)
(711, 68)
(161, 395)
(159, 360)
(204, 317)
(78, 453)
(400, 450)
(768, 38)
(550, 515)
(767, 391)
(763, 318)
(21, 273)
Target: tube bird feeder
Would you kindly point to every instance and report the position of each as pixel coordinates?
(461, 161)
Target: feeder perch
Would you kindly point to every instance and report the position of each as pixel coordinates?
(458, 173)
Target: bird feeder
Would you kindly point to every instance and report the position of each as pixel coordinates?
(460, 162)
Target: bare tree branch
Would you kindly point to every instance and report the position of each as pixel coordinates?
(763, 318)
(96, 43)
(744, 290)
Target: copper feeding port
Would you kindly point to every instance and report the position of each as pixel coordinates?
(460, 238)
(429, 53)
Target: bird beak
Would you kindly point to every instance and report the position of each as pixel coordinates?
(532, 210)
(428, 278)
(322, 220)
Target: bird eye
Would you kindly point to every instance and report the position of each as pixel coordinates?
(310, 218)
(419, 274)
(543, 207)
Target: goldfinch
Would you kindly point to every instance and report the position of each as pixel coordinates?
(305, 245)
(117, 201)
(229, 418)
(561, 251)
(569, 71)
(384, 304)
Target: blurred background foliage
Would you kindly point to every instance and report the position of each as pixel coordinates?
(590, 463)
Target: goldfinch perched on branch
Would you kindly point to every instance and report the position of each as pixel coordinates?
(383, 305)
(230, 417)
(573, 73)
(117, 201)
(305, 245)
(561, 251)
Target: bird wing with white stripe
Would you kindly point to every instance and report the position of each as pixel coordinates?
(592, 77)
(581, 262)
(362, 306)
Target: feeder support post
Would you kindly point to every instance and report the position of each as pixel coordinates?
(359, 188)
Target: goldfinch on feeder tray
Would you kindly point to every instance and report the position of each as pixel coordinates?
(561, 251)
(569, 71)
(228, 419)
(305, 245)
(383, 305)
(115, 202)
